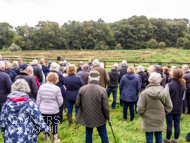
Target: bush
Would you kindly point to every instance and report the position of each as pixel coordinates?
(186, 45)
(14, 47)
(118, 47)
(187, 36)
(161, 45)
(180, 42)
(152, 44)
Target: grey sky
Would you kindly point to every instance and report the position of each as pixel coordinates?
(20, 12)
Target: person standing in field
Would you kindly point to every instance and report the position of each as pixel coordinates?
(153, 105)
(113, 85)
(72, 83)
(104, 77)
(84, 74)
(80, 66)
(37, 71)
(9, 71)
(20, 61)
(49, 99)
(93, 104)
(129, 87)
(176, 88)
(45, 69)
(143, 76)
(166, 72)
(30, 72)
(15, 67)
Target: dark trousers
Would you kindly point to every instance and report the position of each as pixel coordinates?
(70, 107)
(53, 119)
(176, 119)
(114, 91)
(131, 107)
(188, 101)
(149, 137)
(1, 106)
(102, 132)
(61, 114)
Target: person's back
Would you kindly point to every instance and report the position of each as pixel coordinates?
(84, 75)
(11, 73)
(114, 78)
(143, 77)
(38, 73)
(16, 69)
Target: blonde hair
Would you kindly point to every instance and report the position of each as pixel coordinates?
(71, 69)
(131, 70)
(30, 70)
(7, 65)
(15, 63)
(52, 77)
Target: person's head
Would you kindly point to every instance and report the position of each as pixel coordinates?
(155, 78)
(15, 63)
(71, 69)
(2, 65)
(49, 63)
(42, 61)
(61, 63)
(52, 77)
(20, 60)
(172, 67)
(94, 75)
(30, 70)
(80, 63)
(1, 57)
(140, 68)
(161, 69)
(115, 66)
(102, 65)
(166, 70)
(23, 68)
(157, 68)
(7, 65)
(124, 63)
(31, 63)
(89, 60)
(177, 73)
(185, 68)
(65, 70)
(64, 61)
(35, 62)
(85, 67)
(131, 69)
(96, 62)
(54, 67)
(151, 69)
(20, 85)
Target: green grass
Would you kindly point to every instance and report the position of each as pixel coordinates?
(125, 132)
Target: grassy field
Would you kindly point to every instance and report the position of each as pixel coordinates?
(125, 132)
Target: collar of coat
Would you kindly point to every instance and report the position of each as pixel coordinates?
(153, 84)
(93, 82)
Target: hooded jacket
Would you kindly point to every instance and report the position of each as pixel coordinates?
(114, 78)
(21, 121)
(129, 87)
(153, 105)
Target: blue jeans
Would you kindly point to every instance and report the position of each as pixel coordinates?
(149, 137)
(114, 91)
(70, 107)
(125, 107)
(176, 118)
(102, 132)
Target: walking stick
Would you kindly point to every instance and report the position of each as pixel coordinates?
(112, 130)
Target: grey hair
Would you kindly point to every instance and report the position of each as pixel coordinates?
(155, 77)
(124, 62)
(102, 65)
(20, 85)
(185, 68)
(151, 69)
(140, 68)
(54, 67)
(35, 62)
(2, 64)
(96, 62)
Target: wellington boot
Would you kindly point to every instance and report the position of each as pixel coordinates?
(69, 116)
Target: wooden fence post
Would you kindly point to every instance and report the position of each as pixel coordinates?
(105, 64)
(134, 64)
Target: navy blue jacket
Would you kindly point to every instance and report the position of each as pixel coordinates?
(12, 74)
(5, 85)
(45, 70)
(129, 87)
(60, 84)
(72, 83)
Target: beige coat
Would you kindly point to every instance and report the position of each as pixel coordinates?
(104, 77)
(153, 105)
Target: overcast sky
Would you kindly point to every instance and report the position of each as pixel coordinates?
(20, 12)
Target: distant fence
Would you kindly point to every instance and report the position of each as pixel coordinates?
(107, 64)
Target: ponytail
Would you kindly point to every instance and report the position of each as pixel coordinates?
(181, 81)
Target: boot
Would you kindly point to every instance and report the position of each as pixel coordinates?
(174, 141)
(165, 141)
(75, 119)
(69, 116)
(55, 139)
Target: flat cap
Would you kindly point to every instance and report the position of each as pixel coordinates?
(94, 74)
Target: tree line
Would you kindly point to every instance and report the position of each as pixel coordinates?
(136, 32)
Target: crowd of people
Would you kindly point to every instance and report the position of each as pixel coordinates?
(34, 96)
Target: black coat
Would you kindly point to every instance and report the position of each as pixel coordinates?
(114, 78)
(123, 71)
(16, 69)
(143, 76)
(31, 82)
(38, 73)
(186, 76)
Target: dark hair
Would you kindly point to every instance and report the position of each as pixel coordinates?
(166, 70)
(177, 73)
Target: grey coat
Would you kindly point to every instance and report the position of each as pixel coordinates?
(93, 104)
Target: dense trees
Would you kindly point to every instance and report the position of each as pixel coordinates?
(136, 32)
